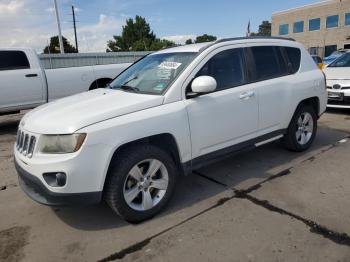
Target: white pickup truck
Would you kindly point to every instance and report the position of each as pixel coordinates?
(25, 84)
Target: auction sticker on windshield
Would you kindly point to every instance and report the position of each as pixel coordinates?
(169, 65)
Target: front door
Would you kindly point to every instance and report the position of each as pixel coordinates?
(20, 84)
(228, 116)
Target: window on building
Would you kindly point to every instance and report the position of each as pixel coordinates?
(313, 50)
(314, 24)
(284, 29)
(329, 49)
(12, 60)
(332, 21)
(347, 19)
(298, 27)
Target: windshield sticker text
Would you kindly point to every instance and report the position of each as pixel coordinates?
(169, 65)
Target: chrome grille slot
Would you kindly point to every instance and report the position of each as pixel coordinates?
(31, 146)
(21, 142)
(18, 138)
(25, 143)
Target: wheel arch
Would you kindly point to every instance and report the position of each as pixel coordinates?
(165, 141)
(314, 102)
(100, 83)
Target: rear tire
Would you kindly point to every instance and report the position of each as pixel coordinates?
(302, 129)
(141, 181)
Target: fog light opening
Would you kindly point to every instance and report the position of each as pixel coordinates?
(57, 179)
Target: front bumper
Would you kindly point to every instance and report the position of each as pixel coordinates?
(338, 97)
(37, 191)
(344, 102)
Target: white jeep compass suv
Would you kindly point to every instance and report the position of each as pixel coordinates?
(169, 113)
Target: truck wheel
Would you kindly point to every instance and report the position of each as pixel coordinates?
(140, 182)
(302, 129)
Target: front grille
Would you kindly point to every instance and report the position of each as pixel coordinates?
(25, 143)
(345, 102)
(342, 88)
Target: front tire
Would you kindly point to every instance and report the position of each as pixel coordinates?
(140, 182)
(302, 129)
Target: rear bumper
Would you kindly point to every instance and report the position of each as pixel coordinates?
(37, 191)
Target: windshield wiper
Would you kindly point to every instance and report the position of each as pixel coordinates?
(129, 88)
(126, 87)
(132, 79)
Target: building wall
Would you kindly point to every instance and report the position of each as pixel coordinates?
(339, 36)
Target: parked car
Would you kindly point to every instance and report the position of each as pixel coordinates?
(172, 112)
(336, 54)
(25, 84)
(338, 82)
(318, 61)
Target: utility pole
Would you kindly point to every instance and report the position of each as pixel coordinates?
(59, 28)
(75, 29)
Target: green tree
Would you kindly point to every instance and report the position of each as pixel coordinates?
(54, 46)
(264, 29)
(159, 44)
(189, 41)
(205, 38)
(137, 36)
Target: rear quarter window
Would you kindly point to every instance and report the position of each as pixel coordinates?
(294, 59)
(13, 60)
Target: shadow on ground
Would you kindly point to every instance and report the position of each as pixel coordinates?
(341, 111)
(240, 171)
(9, 124)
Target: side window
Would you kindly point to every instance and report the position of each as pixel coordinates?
(12, 60)
(267, 63)
(227, 68)
(294, 57)
(283, 64)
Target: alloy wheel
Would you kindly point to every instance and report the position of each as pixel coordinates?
(305, 128)
(146, 184)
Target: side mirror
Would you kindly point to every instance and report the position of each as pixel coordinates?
(203, 85)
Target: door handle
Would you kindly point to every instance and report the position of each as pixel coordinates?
(32, 75)
(246, 95)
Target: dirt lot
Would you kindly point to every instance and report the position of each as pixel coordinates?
(265, 205)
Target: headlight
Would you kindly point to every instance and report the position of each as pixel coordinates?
(61, 144)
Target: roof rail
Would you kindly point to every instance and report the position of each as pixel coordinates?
(244, 38)
(253, 37)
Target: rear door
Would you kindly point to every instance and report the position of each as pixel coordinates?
(269, 72)
(21, 81)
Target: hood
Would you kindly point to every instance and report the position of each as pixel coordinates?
(67, 115)
(337, 73)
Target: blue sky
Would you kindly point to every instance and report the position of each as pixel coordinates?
(99, 20)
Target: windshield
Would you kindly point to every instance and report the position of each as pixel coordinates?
(153, 74)
(343, 61)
